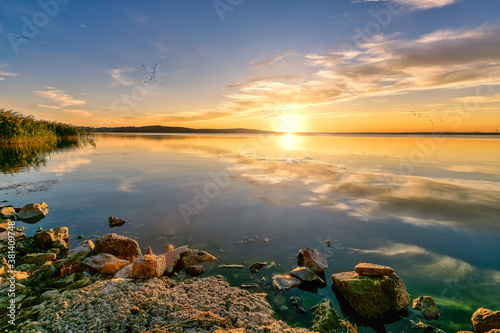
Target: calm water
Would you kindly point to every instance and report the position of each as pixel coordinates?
(427, 207)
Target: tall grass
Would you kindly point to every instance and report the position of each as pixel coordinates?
(17, 128)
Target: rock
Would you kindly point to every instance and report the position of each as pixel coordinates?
(296, 305)
(5, 225)
(172, 257)
(55, 237)
(83, 282)
(4, 236)
(326, 319)
(125, 272)
(49, 295)
(485, 320)
(46, 272)
(373, 269)
(120, 246)
(82, 251)
(105, 263)
(116, 221)
(149, 250)
(416, 326)
(231, 266)
(306, 275)
(372, 296)
(192, 257)
(148, 266)
(285, 282)
(71, 268)
(256, 266)
(65, 281)
(428, 307)
(37, 258)
(7, 211)
(313, 259)
(195, 270)
(33, 211)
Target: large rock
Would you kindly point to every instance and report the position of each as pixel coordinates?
(372, 296)
(326, 319)
(313, 259)
(4, 236)
(120, 246)
(105, 263)
(125, 272)
(7, 211)
(55, 237)
(305, 274)
(485, 320)
(285, 282)
(192, 257)
(373, 269)
(428, 307)
(83, 250)
(172, 257)
(33, 211)
(148, 266)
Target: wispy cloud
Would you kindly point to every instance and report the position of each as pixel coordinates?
(416, 4)
(59, 96)
(78, 113)
(48, 106)
(4, 73)
(118, 76)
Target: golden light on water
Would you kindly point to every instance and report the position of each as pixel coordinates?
(289, 141)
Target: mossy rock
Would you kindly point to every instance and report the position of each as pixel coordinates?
(326, 319)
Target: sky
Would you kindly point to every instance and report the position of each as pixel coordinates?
(286, 65)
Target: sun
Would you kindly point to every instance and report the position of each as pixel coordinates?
(289, 124)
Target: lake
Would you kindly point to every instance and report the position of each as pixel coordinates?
(428, 206)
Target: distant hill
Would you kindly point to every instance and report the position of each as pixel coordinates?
(169, 129)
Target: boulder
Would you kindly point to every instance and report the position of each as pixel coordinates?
(105, 263)
(125, 272)
(172, 257)
(285, 282)
(428, 307)
(7, 211)
(120, 246)
(4, 236)
(313, 259)
(257, 266)
(49, 295)
(372, 296)
(148, 266)
(195, 270)
(38, 258)
(55, 237)
(5, 225)
(115, 221)
(373, 269)
(83, 250)
(33, 211)
(71, 268)
(485, 320)
(192, 257)
(305, 274)
(326, 319)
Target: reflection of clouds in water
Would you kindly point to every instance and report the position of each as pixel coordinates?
(127, 184)
(68, 162)
(473, 169)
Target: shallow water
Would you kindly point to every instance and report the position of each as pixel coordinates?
(427, 206)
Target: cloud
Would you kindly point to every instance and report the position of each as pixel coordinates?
(59, 96)
(48, 106)
(127, 184)
(119, 78)
(4, 73)
(78, 113)
(416, 4)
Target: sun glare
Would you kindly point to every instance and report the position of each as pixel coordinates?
(289, 124)
(289, 141)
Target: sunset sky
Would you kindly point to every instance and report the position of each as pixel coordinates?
(288, 65)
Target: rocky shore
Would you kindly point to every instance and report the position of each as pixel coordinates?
(107, 284)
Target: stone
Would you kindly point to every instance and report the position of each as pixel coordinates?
(71, 268)
(82, 251)
(192, 257)
(120, 246)
(124, 273)
(115, 221)
(55, 237)
(105, 263)
(285, 282)
(49, 295)
(416, 326)
(305, 274)
(296, 305)
(5, 225)
(149, 250)
(4, 236)
(148, 266)
(485, 320)
(37, 258)
(326, 319)
(373, 269)
(257, 266)
(195, 270)
(33, 211)
(313, 259)
(172, 257)
(7, 211)
(83, 282)
(428, 307)
(64, 281)
(372, 296)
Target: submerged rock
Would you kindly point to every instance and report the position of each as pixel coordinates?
(312, 259)
(192, 257)
(428, 307)
(485, 320)
(373, 269)
(285, 282)
(33, 211)
(372, 296)
(115, 221)
(305, 274)
(257, 266)
(195, 270)
(326, 319)
(416, 326)
(120, 246)
(105, 263)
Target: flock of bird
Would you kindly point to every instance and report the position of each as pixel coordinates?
(22, 37)
(151, 75)
(432, 120)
